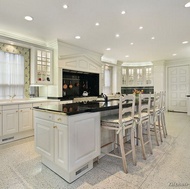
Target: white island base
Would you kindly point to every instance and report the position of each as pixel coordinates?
(67, 144)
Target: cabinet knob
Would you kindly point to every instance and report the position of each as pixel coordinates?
(20, 110)
(54, 127)
(59, 119)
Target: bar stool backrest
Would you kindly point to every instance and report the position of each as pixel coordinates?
(144, 103)
(157, 102)
(126, 107)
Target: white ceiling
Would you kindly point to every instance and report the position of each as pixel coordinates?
(166, 20)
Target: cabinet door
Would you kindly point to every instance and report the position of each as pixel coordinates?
(10, 122)
(84, 139)
(1, 123)
(25, 119)
(44, 138)
(61, 145)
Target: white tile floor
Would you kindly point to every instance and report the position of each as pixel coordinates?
(168, 167)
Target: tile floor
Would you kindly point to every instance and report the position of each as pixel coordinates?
(168, 167)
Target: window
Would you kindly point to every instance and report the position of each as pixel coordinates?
(11, 75)
(107, 80)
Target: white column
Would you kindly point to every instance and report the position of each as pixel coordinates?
(159, 76)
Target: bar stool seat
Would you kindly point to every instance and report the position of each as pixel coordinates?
(121, 123)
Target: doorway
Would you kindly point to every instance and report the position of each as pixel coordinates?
(178, 88)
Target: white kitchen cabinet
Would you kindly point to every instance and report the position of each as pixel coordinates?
(137, 76)
(44, 138)
(10, 121)
(41, 66)
(37, 104)
(25, 119)
(61, 145)
(68, 144)
(1, 123)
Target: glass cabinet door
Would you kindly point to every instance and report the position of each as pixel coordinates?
(44, 66)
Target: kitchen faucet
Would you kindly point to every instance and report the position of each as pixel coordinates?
(105, 98)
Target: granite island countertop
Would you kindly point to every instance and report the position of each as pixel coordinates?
(81, 107)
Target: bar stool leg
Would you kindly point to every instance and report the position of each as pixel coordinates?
(164, 124)
(133, 146)
(155, 131)
(159, 126)
(121, 144)
(149, 137)
(141, 140)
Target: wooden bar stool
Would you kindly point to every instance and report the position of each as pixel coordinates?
(121, 123)
(155, 113)
(162, 112)
(143, 122)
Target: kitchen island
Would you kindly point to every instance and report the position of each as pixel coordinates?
(68, 136)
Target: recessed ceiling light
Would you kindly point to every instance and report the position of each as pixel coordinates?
(126, 56)
(152, 37)
(65, 6)
(131, 43)
(28, 18)
(185, 42)
(97, 24)
(174, 54)
(108, 49)
(77, 37)
(187, 4)
(123, 12)
(117, 35)
(140, 28)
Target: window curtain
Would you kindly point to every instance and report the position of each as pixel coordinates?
(11, 75)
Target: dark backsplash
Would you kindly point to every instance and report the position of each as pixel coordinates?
(78, 82)
(129, 90)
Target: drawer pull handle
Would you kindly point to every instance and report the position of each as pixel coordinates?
(59, 119)
(54, 127)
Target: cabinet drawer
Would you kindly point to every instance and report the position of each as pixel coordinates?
(60, 118)
(10, 107)
(1, 107)
(25, 105)
(39, 104)
(43, 115)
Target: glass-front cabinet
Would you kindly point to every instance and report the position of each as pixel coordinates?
(137, 76)
(41, 66)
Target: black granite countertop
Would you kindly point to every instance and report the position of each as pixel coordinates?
(81, 107)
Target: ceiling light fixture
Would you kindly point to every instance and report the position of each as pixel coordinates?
(117, 35)
(140, 28)
(77, 37)
(131, 43)
(187, 5)
(185, 42)
(123, 12)
(65, 6)
(97, 24)
(152, 37)
(127, 56)
(174, 54)
(108, 49)
(28, 18)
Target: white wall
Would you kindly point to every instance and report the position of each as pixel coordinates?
(159, 76)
